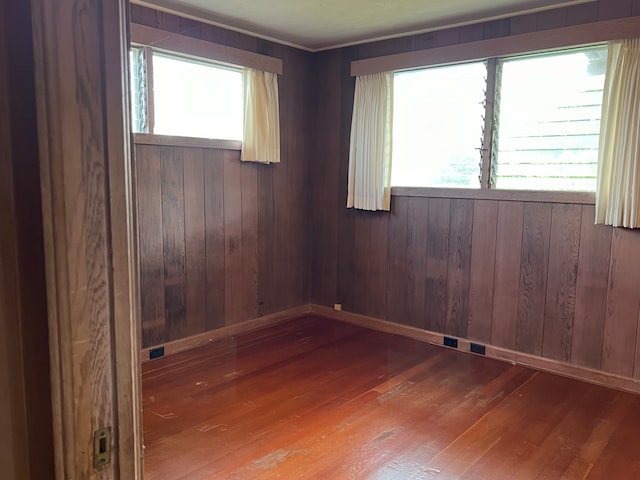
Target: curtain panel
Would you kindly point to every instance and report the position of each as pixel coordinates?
(370, 149)
(618, 192)
(261, 139)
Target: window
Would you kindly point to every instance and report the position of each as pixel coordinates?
(190, 98)
(545, 123)
(437, 126)
(548, 121)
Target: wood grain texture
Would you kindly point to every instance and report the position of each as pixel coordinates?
(195, 241)
(398, 263)
(533, 278)
(26, 446)
(417, 220)
(173, 235)
(623, 303)
(591, 291)
(458, 270)
(149, 194)
(89, 252)
(482, 274)
(215, 244)
(437, 264)
(253, 234)
(507, 274)
(417, 411)
(560, 305)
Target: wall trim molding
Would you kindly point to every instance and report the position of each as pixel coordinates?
(573, 36)
(201, 339)
(557, 367)
(194, 47)
(576, 372)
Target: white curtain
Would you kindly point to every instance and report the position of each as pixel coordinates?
(370, 150)
(261, 140)
(618, 193)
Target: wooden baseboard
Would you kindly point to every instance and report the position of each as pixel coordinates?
(205, 338)
(516, 358)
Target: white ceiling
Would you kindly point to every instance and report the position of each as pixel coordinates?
(323, 24)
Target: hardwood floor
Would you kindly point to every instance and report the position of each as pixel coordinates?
(319, 399)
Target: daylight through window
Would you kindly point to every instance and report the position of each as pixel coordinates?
(545, 123)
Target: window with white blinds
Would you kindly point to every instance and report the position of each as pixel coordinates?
(547, 120)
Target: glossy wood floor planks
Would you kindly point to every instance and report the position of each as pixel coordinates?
(319, 399)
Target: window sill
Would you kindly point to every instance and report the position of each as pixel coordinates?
(587, 198)
(174, 141)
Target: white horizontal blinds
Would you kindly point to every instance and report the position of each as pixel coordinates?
(548, 121)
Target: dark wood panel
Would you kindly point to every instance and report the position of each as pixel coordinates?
(173, 235)
(149, 194)
(214, 231)
(250, 210)
(507, 274)
(398, 262)
(483, 259)
(437, 264)
(417, 217)
(232, 174)
(561, 281)
(623, 303)
(591, 291)
(379, 264)
(533, 277)
(459, 265)
(195, 241)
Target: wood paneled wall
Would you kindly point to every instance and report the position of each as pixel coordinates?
(533, 277)
(26, 443)
(222, 241)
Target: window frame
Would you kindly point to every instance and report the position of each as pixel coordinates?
(155, 40)
(563, 38)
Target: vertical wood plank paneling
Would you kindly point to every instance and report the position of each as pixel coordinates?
(437, 264)
(533, 277)
(507, 274)
(608, 9)
(361, 288)
(173, 234)
(215, 235)
(591, 291)
(232, 172)
(582, 13)
(623, 303)
(483, 259)
(379, 264)
(398, 261)
(149, 192)
(561, 281)
(249, 240)
(266, 240)
(417, 217)
(458, 270)
(324, 200)
(548, 19)
(195, 241)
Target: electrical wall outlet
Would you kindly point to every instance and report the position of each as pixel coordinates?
(156, 353)
(337, 306)
(450, 342)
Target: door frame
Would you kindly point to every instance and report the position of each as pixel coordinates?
(90, 239)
